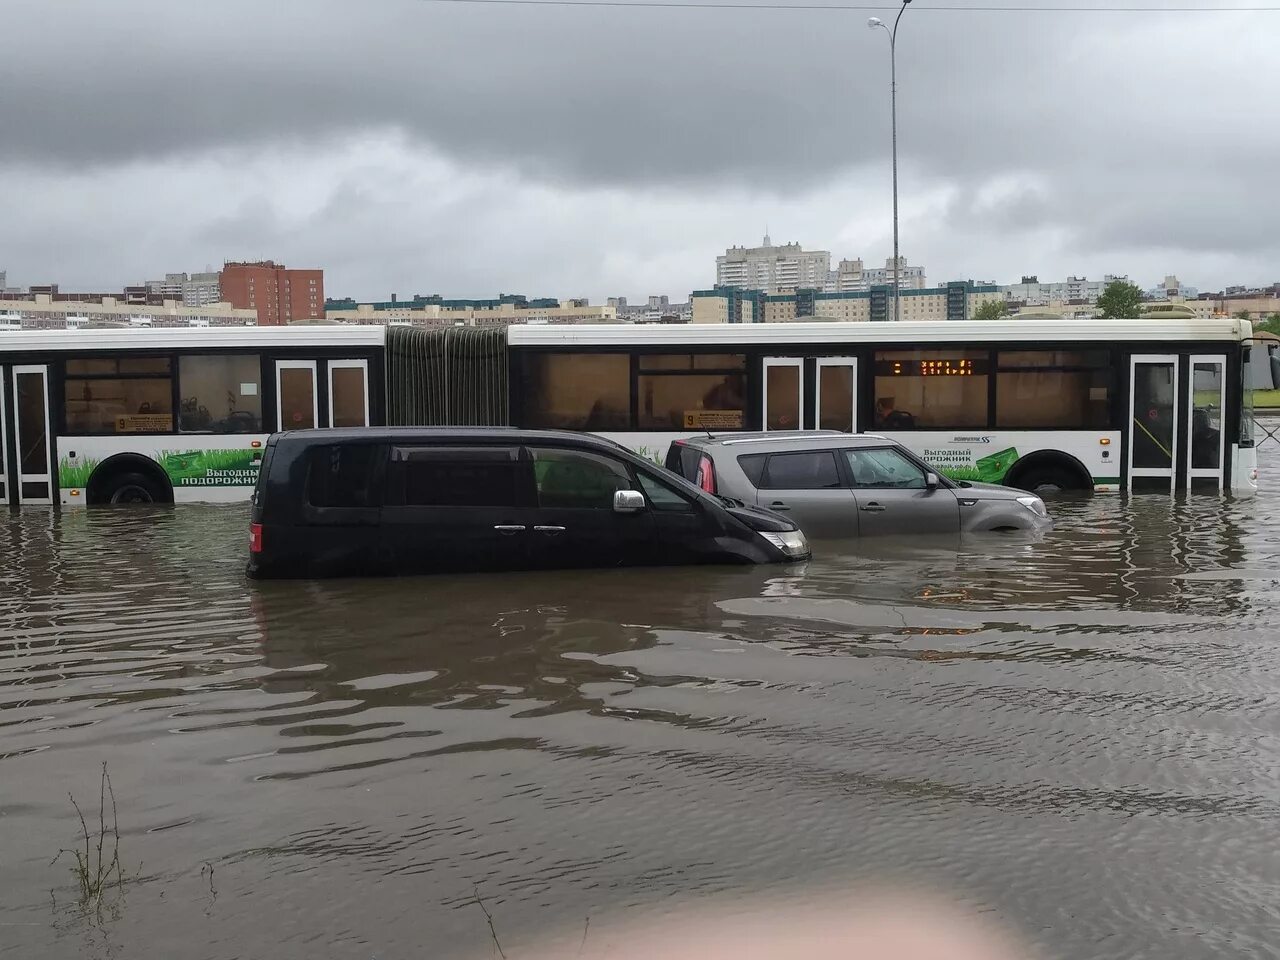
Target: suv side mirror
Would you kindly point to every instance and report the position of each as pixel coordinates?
(628, 501)
(931, 481)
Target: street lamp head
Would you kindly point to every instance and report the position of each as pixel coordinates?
(875, 22)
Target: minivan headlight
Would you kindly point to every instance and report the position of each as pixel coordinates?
(792, 543)
(1035, 505)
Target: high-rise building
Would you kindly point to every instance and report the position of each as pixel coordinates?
(852, 277)
(195, 290)
(771, 268)
(279, 295)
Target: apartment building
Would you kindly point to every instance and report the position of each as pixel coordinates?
(434, 310)
(43, 312)
(194, 290)
(1030, 292)
(956, 300)
(279, 294)
(768, 267)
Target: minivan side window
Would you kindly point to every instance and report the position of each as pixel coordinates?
(883, 468)
(341, 475)
(661, 497)
(577, 479)
(459, 476)
(810, 470)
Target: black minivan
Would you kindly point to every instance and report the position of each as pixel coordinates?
(419, 500)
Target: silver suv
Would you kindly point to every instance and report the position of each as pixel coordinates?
(840, 485)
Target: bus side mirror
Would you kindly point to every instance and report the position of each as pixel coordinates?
(931, 482)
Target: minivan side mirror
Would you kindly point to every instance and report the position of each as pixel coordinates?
(931, 481)
(628, 501)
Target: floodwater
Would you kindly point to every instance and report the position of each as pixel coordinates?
(1078, 736)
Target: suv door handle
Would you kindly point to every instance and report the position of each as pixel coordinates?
(872, 508)
(509, 529)
(778, 505)
(550, 531)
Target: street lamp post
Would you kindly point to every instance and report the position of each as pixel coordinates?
(874, 23)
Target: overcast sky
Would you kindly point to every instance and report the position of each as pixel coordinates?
(411, 146)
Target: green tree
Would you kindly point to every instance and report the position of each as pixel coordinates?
(991, 310)
(1242, 315)
(1120, 301)
(1269, 325)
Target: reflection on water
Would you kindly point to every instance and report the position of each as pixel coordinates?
(1077, 732)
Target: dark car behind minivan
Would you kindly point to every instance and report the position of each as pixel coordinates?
(423, 500)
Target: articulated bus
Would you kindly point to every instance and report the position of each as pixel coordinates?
(181, 415)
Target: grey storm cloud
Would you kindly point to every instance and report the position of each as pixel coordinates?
(1123, 131)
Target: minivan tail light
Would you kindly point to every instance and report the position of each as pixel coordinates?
(706, 474)
(255, 538)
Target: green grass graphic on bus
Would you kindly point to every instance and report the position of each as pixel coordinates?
(211, 468)
(74, 474)
(990, 469)
(185, 468)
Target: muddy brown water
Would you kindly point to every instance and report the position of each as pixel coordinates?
(1078, 735)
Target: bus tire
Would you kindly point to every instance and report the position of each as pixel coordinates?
(128, 479)
(129, 488)
(1053, 474)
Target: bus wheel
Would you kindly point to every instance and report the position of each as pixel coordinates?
(133, 488)
(1047, 480)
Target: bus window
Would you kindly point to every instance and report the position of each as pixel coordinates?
(931, 389)
(577, 391)
(1047, 389)
(118, 395)
(220, 394)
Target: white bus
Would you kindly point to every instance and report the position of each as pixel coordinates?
(181, 415)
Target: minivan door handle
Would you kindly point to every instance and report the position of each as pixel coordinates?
(509, 529)
(778, 505)
(872, 508)
(549, 531)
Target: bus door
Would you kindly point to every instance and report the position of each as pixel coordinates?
(322, 393)
(32, 470)
(810, 393)
(348, 393)
(1153, 418)
(297, 395)
(1206, 442)
(4, 445)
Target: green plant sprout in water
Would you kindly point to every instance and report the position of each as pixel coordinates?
(98, 872)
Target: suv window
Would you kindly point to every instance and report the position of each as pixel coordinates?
(810, 470)
(752, 465)
(341, 475)
(690, 457)
(459, 476)
(883, 468)
(575, 478)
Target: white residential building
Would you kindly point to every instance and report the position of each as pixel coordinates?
(1074, 290)
(195, 290)
(912, 277)
(658, 309)
(1172, 289)
(771, 268)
